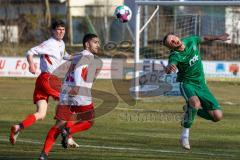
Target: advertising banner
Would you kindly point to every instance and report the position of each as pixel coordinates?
(18, 67)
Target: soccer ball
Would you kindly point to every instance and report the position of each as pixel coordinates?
(123, 13)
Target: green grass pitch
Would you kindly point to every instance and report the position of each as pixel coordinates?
(148, 130)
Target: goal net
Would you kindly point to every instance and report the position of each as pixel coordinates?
(185, 20)
(154, 19)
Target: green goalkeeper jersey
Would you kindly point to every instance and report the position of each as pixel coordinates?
(188, 62)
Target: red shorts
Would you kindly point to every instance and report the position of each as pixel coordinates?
(47, 85)
(75, 113)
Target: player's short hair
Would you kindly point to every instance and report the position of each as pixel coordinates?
(164, 41)
(87, 37)
(57, 23)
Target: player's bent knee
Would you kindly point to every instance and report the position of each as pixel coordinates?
(195, 102)
(217, 116)
(40, 116)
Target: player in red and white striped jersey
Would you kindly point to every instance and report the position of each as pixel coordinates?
(51, 52)
(75, 99)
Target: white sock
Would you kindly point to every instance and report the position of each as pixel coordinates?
(185, 132)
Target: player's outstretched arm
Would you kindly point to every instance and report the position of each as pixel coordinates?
(67, 56)
(223, 37)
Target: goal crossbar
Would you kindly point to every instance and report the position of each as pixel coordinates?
(188, 3)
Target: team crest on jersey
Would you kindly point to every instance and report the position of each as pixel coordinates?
(193, 60)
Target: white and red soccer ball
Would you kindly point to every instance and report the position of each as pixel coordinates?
(123, 13)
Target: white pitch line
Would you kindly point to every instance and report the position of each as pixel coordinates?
(146, 110)
(229, 103)
(126, 148)
(137, 109)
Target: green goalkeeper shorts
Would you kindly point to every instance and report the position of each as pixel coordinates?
(208, 101)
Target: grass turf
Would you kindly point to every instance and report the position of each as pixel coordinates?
(149, 130)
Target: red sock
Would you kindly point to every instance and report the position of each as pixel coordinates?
(80, 126)
(29, 120)
(50, 139)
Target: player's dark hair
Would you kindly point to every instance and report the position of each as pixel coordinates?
(164, 41)
(57, 23)
(87, 37)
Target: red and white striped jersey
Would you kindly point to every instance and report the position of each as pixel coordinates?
(51, 52)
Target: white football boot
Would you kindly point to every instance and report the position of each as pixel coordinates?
(184, 141)
(71, 143)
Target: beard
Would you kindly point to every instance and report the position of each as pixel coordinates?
(176, 48)
(94, 51)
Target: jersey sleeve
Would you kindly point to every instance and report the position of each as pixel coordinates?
(173, 59)
(41, 49)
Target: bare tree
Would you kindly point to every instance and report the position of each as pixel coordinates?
(47, 14)
(69, 23)
(6, 22)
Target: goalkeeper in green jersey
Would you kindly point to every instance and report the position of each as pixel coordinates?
(185, 58)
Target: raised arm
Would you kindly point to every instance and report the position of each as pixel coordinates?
(223, 37)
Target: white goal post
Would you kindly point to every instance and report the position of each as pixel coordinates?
(139, 26)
